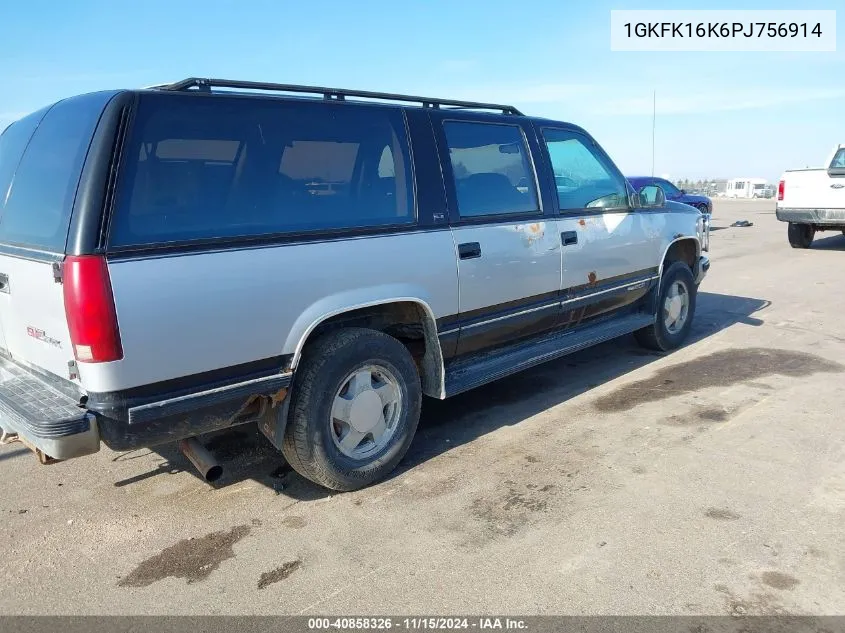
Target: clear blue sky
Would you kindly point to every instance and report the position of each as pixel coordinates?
(718, 114)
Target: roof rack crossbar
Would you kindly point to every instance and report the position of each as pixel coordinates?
(338, 94)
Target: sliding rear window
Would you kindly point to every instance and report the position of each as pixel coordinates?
(41, 159)
(204, 168)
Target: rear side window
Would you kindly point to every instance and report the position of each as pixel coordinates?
(40, 186)
(224, 167)
(491, 169)
(838, 161)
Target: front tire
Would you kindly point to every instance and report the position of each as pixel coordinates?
(355, 406)
(800, 235)
(675, 311)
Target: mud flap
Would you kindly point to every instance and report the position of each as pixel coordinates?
(275, 421)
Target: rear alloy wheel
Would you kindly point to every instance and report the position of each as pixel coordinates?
(676, 307)
(355, 406)
(800, 235)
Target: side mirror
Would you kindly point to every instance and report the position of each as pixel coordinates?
(651, 196)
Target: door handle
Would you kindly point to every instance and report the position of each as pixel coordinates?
(569, 237)
(4, 283)
(469, 250)
(837, 185)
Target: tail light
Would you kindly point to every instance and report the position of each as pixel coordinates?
(781, 189)
(90, 311)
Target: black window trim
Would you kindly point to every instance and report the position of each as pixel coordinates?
(455, 219)
(604, 159)
(267, 239)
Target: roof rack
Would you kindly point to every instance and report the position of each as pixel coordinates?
(336, 94)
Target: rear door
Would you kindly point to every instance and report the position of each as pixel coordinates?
(41, 160)
(610, 249)
(507, 244)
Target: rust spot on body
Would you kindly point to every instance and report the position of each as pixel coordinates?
(582, 222)
(592, 277)
(280, 396)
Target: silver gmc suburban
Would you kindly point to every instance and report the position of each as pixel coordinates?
(187, 257)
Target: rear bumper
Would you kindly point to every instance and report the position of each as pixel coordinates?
(44, 418)
(702, 268)
(819, 217)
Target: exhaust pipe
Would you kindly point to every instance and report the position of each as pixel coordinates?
(201, 458)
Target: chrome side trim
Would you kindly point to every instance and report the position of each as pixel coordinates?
(212, 392)
(626, 286)
(512, 314)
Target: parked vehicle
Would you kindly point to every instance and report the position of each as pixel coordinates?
(702, 203)
(746, 188)
(181, 259)
(813, 200)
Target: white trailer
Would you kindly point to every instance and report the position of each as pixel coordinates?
(746, 188)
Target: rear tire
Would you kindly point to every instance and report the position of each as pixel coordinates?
(675, 311)
(800, 235)
(352, 380)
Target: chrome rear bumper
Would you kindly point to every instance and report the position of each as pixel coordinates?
(46, 420)
(821, 217)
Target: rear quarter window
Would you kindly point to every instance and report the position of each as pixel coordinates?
(204, 168)
(41, 159)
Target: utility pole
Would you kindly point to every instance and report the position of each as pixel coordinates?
(653, 127)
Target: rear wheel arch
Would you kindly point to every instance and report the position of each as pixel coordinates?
(409, 320)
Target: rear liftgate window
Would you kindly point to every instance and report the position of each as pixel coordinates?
(201, 168)
(41, 158)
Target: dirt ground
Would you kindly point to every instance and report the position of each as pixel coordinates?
(707, 481)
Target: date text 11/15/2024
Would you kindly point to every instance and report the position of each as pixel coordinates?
(416, 623)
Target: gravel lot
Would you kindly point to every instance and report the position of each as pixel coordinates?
(707, 481)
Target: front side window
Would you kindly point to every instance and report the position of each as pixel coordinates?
(838, 161)
(227, 167)
(583, 178)
(491, 169)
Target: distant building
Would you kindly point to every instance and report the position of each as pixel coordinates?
(746, 188)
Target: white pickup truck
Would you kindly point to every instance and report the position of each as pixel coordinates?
(813, 199)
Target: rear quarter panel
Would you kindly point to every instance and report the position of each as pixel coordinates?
(191, 313)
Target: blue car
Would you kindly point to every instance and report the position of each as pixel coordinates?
(702, 203)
